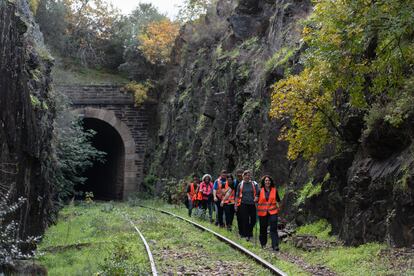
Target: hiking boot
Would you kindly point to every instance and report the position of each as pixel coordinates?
(276, 249)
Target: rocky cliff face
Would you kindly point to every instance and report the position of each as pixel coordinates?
(215, 99)
(26, 117)
(213, 114)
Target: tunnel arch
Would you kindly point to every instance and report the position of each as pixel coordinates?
(130, 179)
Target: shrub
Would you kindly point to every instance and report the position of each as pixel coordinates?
(74, 150)
(309, 190)
(139, 90)
(10, 245)
(150, 182)
(320, 229)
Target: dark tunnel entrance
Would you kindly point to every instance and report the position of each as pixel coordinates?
(106, 179)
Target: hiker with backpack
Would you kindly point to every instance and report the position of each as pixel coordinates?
(246, 196)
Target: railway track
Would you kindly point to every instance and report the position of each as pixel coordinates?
(233, 244)
(147, 248)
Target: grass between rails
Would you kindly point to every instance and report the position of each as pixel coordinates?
(361, 260)
(287, 267)
(92, 239)
(179, 248)
(95, 239)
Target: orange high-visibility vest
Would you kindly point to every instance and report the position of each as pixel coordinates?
(219, 193)
(230, 199)
(241, 192)
(192, 192)
(267, 206)
(199, 193)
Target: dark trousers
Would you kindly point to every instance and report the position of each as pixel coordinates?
(219, 213)
(229, 212)
(239, 222)
(207, 204)
(190, 207)
(247, 216)
(264, 223)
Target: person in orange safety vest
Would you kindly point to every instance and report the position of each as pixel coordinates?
(218, 194)
(228, 201)
(192, 194)
(206, 189)
(267, 210)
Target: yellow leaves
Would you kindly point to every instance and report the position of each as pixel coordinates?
(34, 4)
(357, 50)
(140, 91)
(157, 40)
(306, 31)
(302, 99)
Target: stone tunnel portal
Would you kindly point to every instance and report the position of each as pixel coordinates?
(105, 179)
(120, 176)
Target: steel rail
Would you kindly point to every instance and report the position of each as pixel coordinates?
(233, 244)
(147, 248)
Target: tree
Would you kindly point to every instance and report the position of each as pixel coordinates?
(140, 18)
(135, 65)
(157, 40)
(360, 53)
(81, 29)
(191, 10)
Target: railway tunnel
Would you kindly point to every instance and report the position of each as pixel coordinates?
(105, 179)
(121, 131)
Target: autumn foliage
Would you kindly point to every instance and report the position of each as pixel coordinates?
(359, 56)
(157, 40)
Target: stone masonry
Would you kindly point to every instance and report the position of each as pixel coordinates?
(110, 104)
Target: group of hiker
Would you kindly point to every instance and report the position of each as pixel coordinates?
(240, 196)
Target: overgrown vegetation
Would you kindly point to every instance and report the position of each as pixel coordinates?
(308, 190)
(139, 90)
(157, 40)
(74, 151)
(89, 239)
(192, 10)
(84, 232)
(279, 58)
(69, 72)
(361, 260)
(321, 229)
(10, 245)
(360, 55)
(96, 35)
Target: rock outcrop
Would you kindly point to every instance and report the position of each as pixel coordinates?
(215, 100)
(26, 117)
(213, 114)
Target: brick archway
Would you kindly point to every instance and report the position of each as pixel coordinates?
(130, 179)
